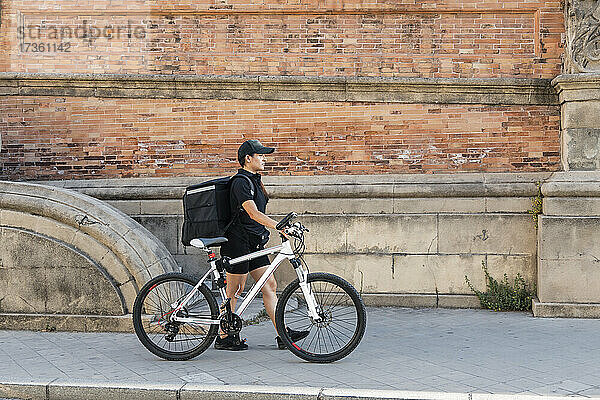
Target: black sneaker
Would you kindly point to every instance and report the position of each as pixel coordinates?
(294, 335)
(230, 342)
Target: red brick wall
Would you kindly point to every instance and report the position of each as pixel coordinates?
(55, 138)
(449, 38)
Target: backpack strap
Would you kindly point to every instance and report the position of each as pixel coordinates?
(238, 212)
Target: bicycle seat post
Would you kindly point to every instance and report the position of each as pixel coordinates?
(211, 255)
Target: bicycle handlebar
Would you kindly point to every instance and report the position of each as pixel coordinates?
(285, 221)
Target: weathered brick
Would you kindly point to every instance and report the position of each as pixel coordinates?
(447, 38)
(345, 138)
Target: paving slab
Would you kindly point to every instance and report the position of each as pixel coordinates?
(405, 352)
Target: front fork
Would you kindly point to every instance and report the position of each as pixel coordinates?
(309, 296)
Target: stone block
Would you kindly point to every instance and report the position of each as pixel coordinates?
(565, 310)
(115, 268)
(66, 389)
(67, 323)
(165, 228)
(89, 246)
(56, 230)
(285, 274)
(583, 147)
(129, 207)
(143, 276)
(120, 323)
(23, 290)
(331, 206)
(76, 290)
(328, 234)
(391, 234)
(438, 205)
(580, 114)
(24, 249)
(161, 207)
(508, 204)
(19, 219)
(572, 206)
(195, 265)
(427, 274)
(569, 238)
(420, 300)
(569, 281)
(42, 322)
(526, 266)
(351, 267)
(53, 277)
(193, 391)
(373, 394)
(487, 234)
(33, 390)
(129, 290)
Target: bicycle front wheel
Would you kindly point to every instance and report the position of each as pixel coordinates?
(342, 323)
(152, 311)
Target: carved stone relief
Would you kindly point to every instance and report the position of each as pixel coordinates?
(583, 36)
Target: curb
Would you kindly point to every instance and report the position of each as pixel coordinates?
(64, 389)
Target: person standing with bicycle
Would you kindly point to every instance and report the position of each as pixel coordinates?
(248, 233)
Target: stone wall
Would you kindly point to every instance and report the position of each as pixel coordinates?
(68, 261)
(401, 239)
(569, 259)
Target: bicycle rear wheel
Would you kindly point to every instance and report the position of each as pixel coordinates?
(174, 340)
(342, 312)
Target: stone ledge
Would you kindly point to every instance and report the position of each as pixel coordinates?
(573, 184)
(492, 91)
(327, 186)
(565, 310)
(421, 300)
(68, 323)
(577, 87)
(81, 389)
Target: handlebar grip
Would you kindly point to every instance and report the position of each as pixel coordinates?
(283, 223)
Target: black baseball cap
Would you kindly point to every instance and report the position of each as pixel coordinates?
(253, 146)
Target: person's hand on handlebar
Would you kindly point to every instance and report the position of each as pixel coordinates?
(284, 224)
(284, 234)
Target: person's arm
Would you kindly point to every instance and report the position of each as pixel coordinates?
(256, 215)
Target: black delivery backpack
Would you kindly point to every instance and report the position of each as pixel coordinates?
(206, 209)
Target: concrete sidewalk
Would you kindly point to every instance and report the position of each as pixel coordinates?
(427, 350)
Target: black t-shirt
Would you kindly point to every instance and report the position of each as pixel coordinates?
(242, 191)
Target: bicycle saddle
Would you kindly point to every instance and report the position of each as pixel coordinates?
(207, 242)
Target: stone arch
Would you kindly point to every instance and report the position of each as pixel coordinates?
(62, 252)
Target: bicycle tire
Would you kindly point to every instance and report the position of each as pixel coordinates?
(343, 327)
(153, 303)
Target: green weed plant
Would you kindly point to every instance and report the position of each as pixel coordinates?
(504, 295)
(537, 205)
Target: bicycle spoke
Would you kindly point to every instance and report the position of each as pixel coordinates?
(158, 304)
(339, 319)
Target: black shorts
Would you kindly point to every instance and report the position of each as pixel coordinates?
(240, 244)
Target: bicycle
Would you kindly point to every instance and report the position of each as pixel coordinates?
(177, 318)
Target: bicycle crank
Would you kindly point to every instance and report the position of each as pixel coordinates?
(231, 323)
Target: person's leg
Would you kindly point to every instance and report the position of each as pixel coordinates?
(235, 285)
(269, 292)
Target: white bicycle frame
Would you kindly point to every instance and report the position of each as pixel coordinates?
(285, 251)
